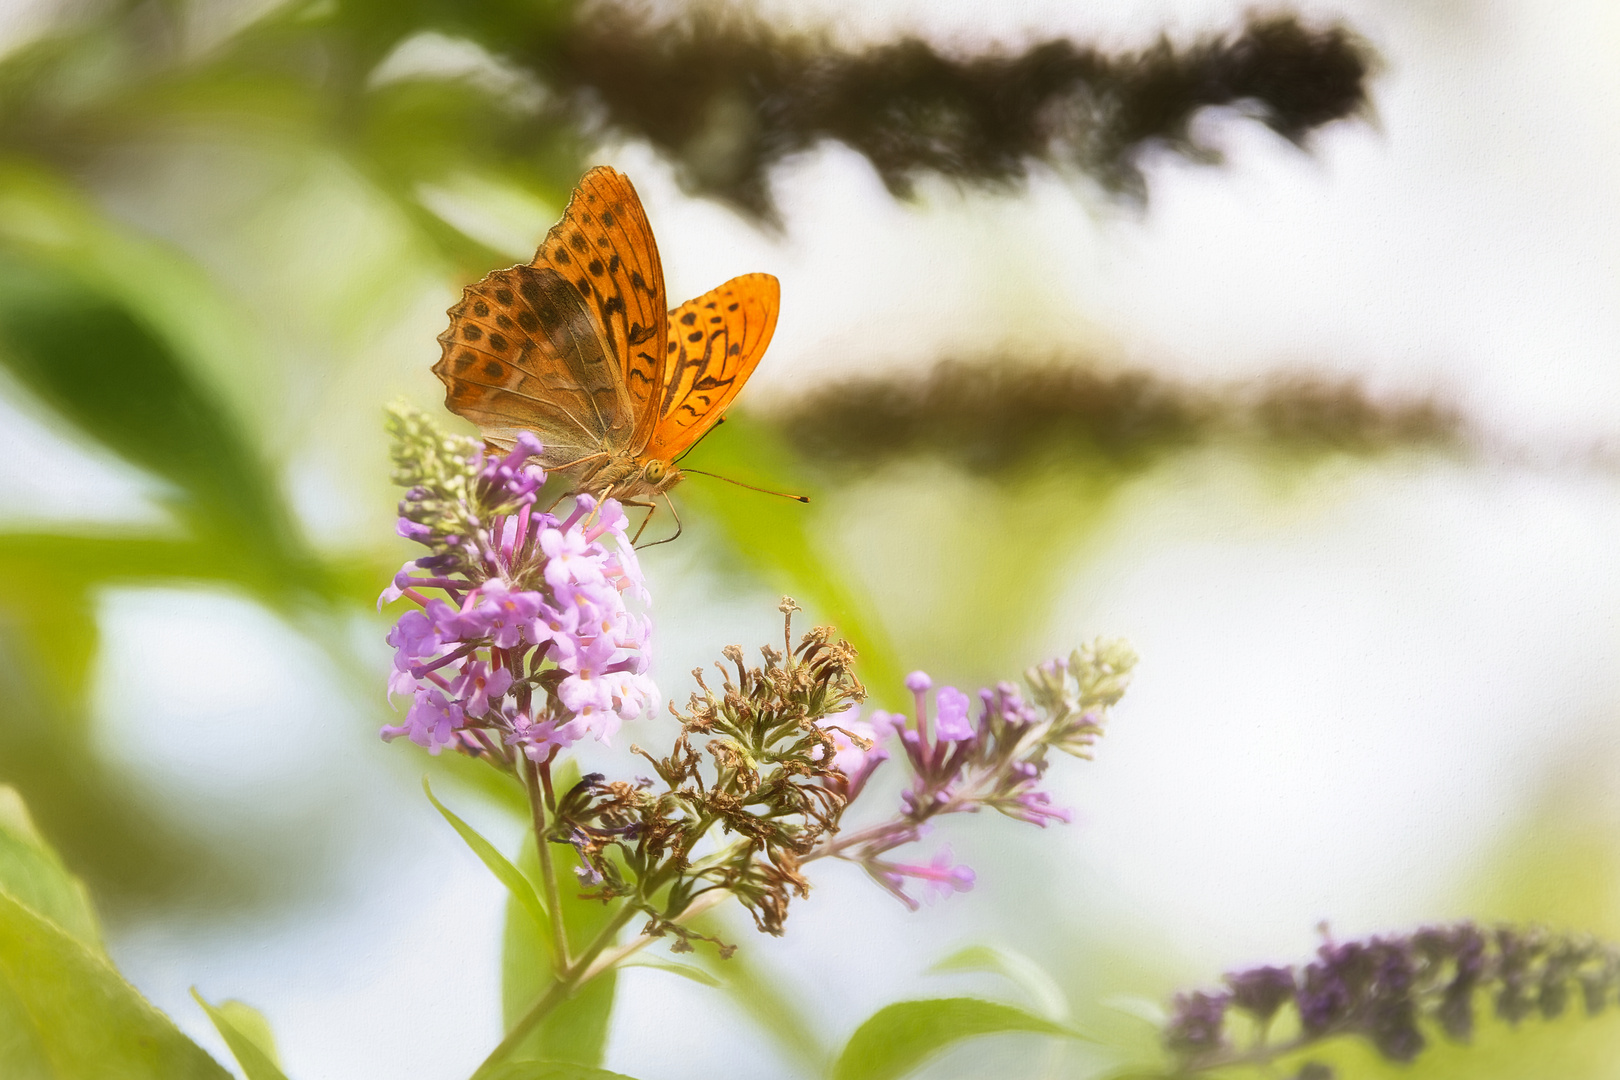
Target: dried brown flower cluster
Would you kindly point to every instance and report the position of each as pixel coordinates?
(752, 767)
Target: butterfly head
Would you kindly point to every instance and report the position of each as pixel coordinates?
(658, 476)
(626, 477)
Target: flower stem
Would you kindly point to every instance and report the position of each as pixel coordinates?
(568, 980)
(615, 956)
(548, 875)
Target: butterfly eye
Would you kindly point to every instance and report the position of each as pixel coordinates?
(654, 471)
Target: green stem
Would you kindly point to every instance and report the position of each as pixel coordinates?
(568, 981)
(548, 876)
(624, 952)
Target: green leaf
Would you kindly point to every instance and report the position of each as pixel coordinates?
(767, 997)
(105, 370)
(577, 1030)
(247, 1033)
(34, 876)
(1018, 969)
(552, 1070)
(66, 1012)
(898, 1038)
(685, 971)
(520, 887)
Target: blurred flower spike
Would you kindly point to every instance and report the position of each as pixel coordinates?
(962, 763)
(529, 644)
(1387, 990)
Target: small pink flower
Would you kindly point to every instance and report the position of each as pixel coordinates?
(432, 721)
(952, 724)
(585, 684)
(570, 558)
(477, 686)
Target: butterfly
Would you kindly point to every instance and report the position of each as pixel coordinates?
(577, 347)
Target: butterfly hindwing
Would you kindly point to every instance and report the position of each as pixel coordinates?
(714, 344)
(578, 348)
(604, 247)
(523, 352)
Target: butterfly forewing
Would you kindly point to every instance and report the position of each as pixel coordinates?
(715, 342)
(604, 247)
(523, 352)
(578, 348)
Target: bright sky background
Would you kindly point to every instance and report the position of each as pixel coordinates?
(1346, 693)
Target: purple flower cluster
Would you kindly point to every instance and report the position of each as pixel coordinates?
(1385, 989)
(961, 762)
(530, 644)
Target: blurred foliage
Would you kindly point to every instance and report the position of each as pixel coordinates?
(248, 1035)
(64, 1009)
(728, 97)
(147, 341)
(577, 1031)
(996, 417)
(898, 1038)
(154, 342)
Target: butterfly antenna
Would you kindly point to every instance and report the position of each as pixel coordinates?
(750, 487)
(701, 437)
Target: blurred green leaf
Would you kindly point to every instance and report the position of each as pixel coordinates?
(774, 538)
(899, 1038)
(34, 876)
(685, 971)
(577, 1030)
(1018, 969)
(521, 889)
(66, 1012)
(101, 368)
(103, 821)
(247, 1033)
(764, 997)
(552, 1070)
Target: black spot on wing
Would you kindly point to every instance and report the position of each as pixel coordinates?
(689, 318)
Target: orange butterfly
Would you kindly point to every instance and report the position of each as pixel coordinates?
(577, 348)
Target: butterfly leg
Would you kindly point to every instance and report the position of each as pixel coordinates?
(651, 508)
(673, 512)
